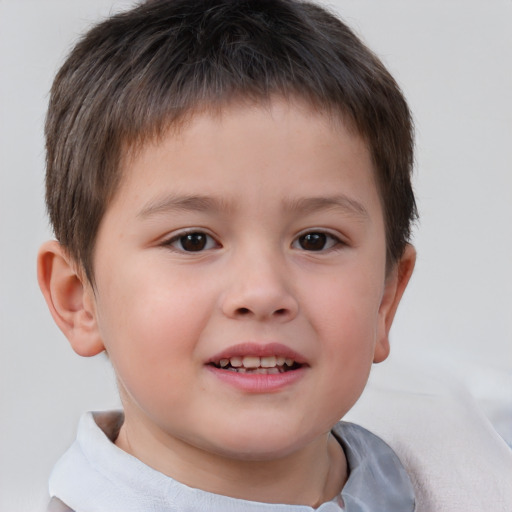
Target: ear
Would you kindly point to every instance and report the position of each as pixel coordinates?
(70, 298)
(394, 288)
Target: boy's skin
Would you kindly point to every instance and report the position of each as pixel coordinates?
(254, 178)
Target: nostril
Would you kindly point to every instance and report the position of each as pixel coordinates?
(247, 311)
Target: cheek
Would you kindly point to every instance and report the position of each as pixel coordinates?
(346, 307)
(345, 320)
(152, 332)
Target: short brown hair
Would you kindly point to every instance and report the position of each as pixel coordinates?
(136, 73)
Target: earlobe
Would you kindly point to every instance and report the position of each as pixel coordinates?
(396, 283)
(69, 298)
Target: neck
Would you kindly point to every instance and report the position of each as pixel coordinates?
(310, 476)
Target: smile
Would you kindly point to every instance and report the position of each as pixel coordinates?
(266, 365)
(258, 368)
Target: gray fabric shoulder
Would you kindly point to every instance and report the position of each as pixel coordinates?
(57, 505)
(377, 480)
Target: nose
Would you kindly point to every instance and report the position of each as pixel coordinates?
(260, 288)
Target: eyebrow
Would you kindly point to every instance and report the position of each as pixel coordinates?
(341, 202)
(187, 203)
(208, 204)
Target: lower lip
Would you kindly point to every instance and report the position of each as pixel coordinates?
(257, 382)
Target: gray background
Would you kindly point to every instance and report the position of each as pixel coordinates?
(453, 59)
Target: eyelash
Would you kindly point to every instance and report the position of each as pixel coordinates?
(208, 242)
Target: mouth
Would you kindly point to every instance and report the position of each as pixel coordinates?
(266, 365)
(259, 368)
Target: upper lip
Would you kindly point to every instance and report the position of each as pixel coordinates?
(259, 350)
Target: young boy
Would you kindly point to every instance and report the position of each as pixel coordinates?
(229, 184)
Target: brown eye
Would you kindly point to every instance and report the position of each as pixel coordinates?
(192, 242)
(316, 241)
(313, 241)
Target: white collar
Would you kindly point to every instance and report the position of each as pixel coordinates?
(95, 475)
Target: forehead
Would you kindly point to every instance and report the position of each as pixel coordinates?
(241, 110)
(281, 141)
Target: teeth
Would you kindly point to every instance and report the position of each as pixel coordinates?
(268, 362)
(251, 362)
(236, 362)
(259, 371)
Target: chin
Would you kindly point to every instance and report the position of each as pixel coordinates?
(262, 444)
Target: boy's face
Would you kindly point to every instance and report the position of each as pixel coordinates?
(254, 233)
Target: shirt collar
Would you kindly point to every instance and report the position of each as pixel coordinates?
(95, 474)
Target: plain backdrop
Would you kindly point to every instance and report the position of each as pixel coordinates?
(453, 59)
